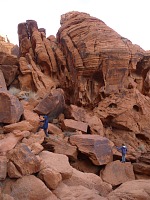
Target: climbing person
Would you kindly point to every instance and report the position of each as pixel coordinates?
(44, 126)
(123, 150)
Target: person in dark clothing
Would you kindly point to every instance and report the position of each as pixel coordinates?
(45, 125)
(123, 150)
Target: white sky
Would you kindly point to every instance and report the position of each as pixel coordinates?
(130, 18)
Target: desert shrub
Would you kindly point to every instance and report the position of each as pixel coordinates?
(14, 91)
(23, 95)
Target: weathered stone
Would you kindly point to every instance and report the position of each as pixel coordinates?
(24, 160)
(5, 45)
(30, 187)
(80, 114)
(72, 125)
(96, 68)
(2, 82)
(36, 148)
(64, 191)
(9, 141)
(55, 130)
(22, 126)
(6, 197)
(50, 177)
(52, 105)
(56, 162)
(32, 118)
(145, 158)
(37, 81)
(130, 113)
(9, 72)
(117, 173)
(58, 145)
(10, 108)
(85, 165)
(9, 60)
(137, 189)
(13, 171)
(97, 148)
(90, 181)
(41, 52)
(141, 168)
(53, 66)
(3, 168)
(34, 138)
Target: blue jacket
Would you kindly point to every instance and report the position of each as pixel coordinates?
(45, 125)
(123, 150)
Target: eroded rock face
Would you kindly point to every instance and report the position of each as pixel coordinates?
(98, 58)
(128, 111)
(142, 166)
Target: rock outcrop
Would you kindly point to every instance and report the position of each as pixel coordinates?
(5, 46)
(99, 59)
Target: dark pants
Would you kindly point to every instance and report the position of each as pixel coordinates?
(45, 130)
(123, 158)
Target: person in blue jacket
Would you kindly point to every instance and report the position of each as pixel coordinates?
(45, 125)
(123, 150)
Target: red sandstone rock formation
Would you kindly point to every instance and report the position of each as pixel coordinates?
(108, 78)
(5, 46)
(99, 59)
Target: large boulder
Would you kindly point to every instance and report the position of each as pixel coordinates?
(24, 160)
(72, 125)
(136, 189)
(116, 173)
(22, 126)
(97, 148)
(10, 140)
(90, 181)
(58, 145)
(10, 108)
(50, 177)
(56, 162)
(52, 105)
(142, 166)
(30, 187)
